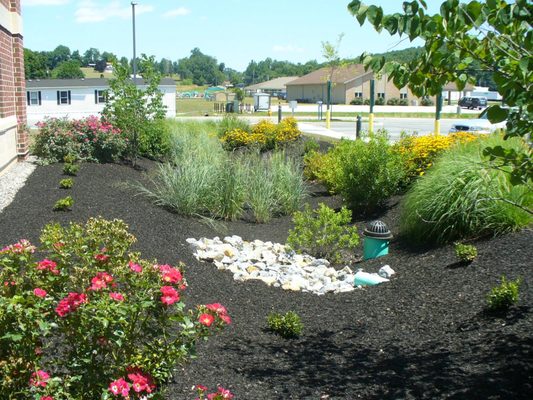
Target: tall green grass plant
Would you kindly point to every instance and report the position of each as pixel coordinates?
(204, 179)
(461, 197)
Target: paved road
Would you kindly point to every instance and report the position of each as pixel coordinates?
(394, 126)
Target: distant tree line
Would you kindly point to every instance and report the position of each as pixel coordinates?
(198, 68)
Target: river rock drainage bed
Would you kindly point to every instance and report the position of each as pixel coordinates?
(273, 264)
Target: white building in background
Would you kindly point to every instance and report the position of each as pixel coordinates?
(79, 98)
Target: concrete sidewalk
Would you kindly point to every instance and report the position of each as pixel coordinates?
(317, 130)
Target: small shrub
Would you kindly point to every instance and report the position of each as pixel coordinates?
(502, 297)
(365, 174)
(380, 101)
(70, 169)
(461, 196)
(403, 102)
(394, 101)
(466, 253)
(357, 101)
(155, 140)
(220, 394)
(313, 165)
(323, 233)
(64, 204)
(287, 326)
(70, 159)
(366, 102)
(66, 183)
(426, 101)
(311, 145)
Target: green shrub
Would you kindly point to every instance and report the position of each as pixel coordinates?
(287, 326)
(64, 204)
(366, 174)
(311, 145)
(394, 101)
(70, 169)
(465, 252)
(66, 183)
(155, 140)
(380, 101)
(461, 197)
(323, 233)
(426, 101)
(357, 101)
(403, 102)
(502, 297)
(70, 159)
(91, 312)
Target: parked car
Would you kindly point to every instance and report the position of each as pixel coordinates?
(473, 102)
(481, 124)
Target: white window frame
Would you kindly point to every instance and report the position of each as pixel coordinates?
(34, 98)
(403, 96)
(100, 96)
(358, 95)
(64, 97)
(381, 95)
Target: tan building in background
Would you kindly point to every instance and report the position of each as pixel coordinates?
(348, 82)
(13, 134)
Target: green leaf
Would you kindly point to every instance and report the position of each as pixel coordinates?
(374, 15)
(497, 114)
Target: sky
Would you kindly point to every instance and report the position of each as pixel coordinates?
(233, 31)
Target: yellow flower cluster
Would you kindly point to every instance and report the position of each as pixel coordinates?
(419, 153)
(287, 131)
(264, 134)
(239, 137)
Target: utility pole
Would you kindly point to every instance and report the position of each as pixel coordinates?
(133, 4)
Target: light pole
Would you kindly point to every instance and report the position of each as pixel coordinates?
(133, 4)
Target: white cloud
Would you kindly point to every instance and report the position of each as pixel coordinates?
(89, 11)
(287, 49)
(44, 2)
(177, 12)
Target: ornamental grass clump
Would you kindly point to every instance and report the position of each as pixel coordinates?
(90, 319)
(323, 233)
(462, 196)
(205, 180)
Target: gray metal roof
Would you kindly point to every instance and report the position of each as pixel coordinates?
(82, 83)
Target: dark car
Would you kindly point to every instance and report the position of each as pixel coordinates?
(473, 102)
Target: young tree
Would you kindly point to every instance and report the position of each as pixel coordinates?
(333, 60)
(135, 110)
(494, 34)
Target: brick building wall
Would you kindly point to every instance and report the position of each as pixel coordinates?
(13, 133)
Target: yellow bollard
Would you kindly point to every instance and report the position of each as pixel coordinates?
(437, 127)
(328, 119)
(371, 122)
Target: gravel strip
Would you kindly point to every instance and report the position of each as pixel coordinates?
(14, 179)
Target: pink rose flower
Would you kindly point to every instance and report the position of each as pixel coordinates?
(39, 292)
(116, 296)
(135, 267)
(206, 319)
(120, 387)
(39, 378)
(170, 295)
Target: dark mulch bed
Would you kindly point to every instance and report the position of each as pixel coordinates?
(424, 335)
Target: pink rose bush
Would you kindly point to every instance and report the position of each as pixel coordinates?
(89, 139)
(93, 312)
